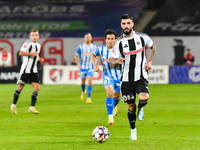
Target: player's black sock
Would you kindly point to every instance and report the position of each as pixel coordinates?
(142, 103)
(16, 96)
(132, 118)
(34, 98)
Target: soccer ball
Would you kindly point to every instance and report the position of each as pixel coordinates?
(100, 134)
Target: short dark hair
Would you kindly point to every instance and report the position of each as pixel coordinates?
(126, 16)
(188, 49)
(110, 31)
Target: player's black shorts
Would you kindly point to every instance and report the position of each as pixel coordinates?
(28, 78)
(129, 90)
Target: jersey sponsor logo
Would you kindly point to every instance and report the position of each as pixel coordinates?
(56, 74)
(87, 53)
(133, 52)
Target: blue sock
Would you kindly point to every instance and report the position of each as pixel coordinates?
(83, 87)
(109, 105)
(115, 102)
(89, 90)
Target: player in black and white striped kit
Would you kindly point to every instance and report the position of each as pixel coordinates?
(130, 52)
(29, 73)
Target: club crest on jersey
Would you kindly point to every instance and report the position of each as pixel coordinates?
(133, 52)
(56, 74)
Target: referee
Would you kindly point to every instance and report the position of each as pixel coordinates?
(129, 51)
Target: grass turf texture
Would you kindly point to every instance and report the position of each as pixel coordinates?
(66, 123)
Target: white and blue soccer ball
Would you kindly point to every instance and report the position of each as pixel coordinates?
(100, 134)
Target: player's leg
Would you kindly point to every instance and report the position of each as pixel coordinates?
(36, 87)
(21, 82)
(34, 79)
(143, 95)
(15, 99)
(132, 120)
(116, 97)
(116, 100)
(90, 74)
(128, 96)
(109, 103)
(83, 79)
(89, 89)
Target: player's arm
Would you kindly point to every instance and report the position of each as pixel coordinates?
(77, 60)
(152, 54)
(95, 63)
(22, 53)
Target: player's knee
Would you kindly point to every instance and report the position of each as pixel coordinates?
(132, 107)
(142, 103)
(37, 88)
(109, 94)
(143, 96)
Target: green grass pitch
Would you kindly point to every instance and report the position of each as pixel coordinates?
(172, 120)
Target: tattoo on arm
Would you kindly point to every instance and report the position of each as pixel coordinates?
(153, 50)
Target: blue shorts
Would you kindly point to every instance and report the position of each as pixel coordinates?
(107, 80)
(86, 72)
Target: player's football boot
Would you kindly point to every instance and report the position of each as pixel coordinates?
(83, 95)
(140, 113)
(115, 111)
(89, 101)
(33, 110)
(133, 134)
(13, 109)
(110, 121)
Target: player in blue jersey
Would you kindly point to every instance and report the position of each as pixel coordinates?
(111, 75)
(84, 63)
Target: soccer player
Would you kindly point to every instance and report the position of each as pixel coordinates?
(111, 75)
(129, 51)
(29, 73)
(84, 63)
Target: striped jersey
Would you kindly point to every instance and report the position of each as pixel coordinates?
(29, 63)
(85, 55)
(133, 51)
(108, 69)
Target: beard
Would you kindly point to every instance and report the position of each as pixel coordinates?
(128, 32)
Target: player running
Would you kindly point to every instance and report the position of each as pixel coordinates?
(111, 75)
(84, 63)
(129, 51)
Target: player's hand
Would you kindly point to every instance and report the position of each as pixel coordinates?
(147, 66)
(79, 66)
(120, 61)
(96, 69)
(41, 60)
